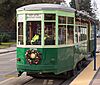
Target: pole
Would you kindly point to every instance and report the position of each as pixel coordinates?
(94, 47)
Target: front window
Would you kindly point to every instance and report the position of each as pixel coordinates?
(49, 33)
(70, 20)
(49, 17)
(49, 29)
(62, 19)
(20, 33)
(62, 30)
(33, 33)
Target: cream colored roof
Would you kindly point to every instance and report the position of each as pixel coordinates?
(46, 7)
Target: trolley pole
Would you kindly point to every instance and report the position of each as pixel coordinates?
(94, 53)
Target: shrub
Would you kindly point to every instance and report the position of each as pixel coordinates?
(4, 37)
(0, 39)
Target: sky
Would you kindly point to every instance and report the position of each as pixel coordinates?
(97, 8)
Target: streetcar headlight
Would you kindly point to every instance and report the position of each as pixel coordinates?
(32, 55)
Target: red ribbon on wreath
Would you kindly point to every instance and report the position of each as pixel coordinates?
(33, 56)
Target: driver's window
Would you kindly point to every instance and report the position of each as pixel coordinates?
(33, 33)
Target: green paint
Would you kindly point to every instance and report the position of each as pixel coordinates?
(56, 60)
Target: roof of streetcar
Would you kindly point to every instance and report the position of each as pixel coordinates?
(46, 7)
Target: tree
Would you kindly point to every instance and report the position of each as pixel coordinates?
(72, 4)
(83, 5)
(7, 14)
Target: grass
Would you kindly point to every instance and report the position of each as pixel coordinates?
(6, 44)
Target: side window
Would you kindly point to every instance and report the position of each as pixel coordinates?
(76, 34)
(62, 35)
(61, 30)
(33, 33)
(85, 34)
(49, 29)
(81, 34)
(70, 34)
(92, 31)
(20, 33)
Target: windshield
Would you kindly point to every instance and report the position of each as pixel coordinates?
(33, 33)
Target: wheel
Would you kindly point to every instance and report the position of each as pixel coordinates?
(19, 73)
(79, 66)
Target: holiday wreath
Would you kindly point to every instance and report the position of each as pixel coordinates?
(33, 56)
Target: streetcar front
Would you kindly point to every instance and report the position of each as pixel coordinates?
(35, 42)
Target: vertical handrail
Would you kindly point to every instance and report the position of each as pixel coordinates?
(94, 46)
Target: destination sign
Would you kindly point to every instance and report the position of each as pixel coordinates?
(34, 16)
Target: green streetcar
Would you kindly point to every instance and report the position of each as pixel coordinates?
(52, 38)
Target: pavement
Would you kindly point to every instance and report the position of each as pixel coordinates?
(98, 49)
(89, 76)
(96, 79)
(6, 50)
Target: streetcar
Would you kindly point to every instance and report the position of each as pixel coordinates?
(52, 38)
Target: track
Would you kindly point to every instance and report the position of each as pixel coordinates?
(45, 82)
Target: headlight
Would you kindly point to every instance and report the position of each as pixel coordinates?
(32, 56)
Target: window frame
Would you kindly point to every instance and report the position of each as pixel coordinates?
(80, 25)
(49, 21)
(27, 23)
(20, 34)
(42, 29)
(62, 24)
(20, 18)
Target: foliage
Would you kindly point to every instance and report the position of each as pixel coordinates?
(83, 5)
(4, 37)
(7, 44)
(7, 15)
(72, 4)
